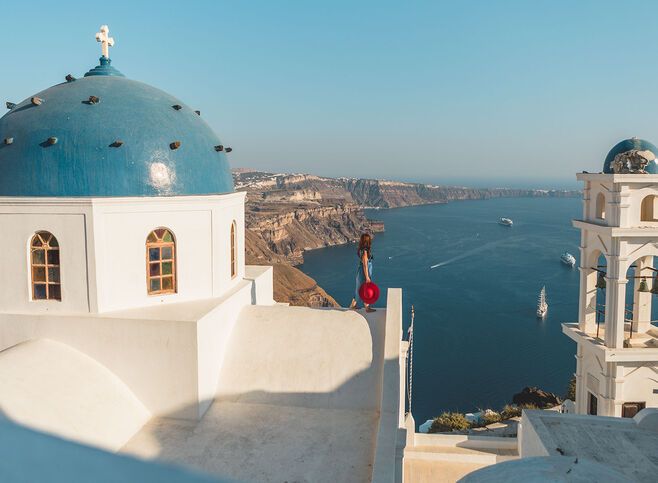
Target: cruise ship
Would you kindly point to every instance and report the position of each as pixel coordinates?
(568, 259)
(542, 304)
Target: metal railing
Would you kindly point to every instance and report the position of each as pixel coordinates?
(628, 317)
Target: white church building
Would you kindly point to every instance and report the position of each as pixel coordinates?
(129, 321)
(617, 344)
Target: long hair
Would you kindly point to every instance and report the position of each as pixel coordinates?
(365, 242)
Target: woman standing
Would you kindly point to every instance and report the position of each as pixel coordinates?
(364, 268)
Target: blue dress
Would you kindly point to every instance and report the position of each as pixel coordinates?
(360, 275)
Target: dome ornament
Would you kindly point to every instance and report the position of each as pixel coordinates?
(51, 141)
(105, 40)
(632, 161)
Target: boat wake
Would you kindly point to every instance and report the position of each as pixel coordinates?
(473, 251)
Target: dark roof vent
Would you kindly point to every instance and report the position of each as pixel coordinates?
(175, 145)
(228, 150)
(198, 113)
(69, 78)
(10, 105)
(117, 144)
(51, 140)
(219, 147)
(93, 100)
(178, 107)
(36, 101)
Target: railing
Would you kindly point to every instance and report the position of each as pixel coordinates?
(628, 317)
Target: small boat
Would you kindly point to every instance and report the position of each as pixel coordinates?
(568, 259)
(505, 222)
(542, 305)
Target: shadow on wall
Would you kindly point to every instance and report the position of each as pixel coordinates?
(269, 441)
(29, 455)
(267, 435)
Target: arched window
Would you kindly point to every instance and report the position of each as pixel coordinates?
(600, 206)
(44, 260)
(234, 251)
(649, 210)
(160, 262)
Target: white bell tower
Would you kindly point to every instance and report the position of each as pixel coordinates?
(617, 344)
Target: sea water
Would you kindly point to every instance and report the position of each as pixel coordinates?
(474, 285)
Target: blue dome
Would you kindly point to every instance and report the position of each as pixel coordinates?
(627, 145)
(122, 144)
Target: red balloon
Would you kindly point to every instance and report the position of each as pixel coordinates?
(369, 293)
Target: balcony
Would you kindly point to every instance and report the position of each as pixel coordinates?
(638, 347)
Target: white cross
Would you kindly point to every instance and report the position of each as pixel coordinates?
(105, 40)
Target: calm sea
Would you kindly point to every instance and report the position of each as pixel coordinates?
(477, 338)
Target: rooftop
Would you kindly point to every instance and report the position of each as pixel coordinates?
(287, 378)
(622, 444)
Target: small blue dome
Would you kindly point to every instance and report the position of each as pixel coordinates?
(105, 135)
(627, 145)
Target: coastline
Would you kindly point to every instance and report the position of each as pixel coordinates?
(290, 214)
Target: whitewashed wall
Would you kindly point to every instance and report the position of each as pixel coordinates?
(169, 356)
(17, 227)
(103, 249)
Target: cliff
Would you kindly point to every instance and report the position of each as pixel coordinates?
(289, 230)
(392, 194)
(368, 193)
(290, 284)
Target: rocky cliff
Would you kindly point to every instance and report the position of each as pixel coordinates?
(289, 230)
(391, 194)
(291, 285)
(371, 193)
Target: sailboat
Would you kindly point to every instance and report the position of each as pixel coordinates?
(542, 305)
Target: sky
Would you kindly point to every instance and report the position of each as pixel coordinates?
(476, 92)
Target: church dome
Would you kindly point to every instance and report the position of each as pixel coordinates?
(106, 135)
(627, 145)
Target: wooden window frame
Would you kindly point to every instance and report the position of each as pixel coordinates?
(160, 244)
(234, 250)
(46, 239)
(592, 409)
(628, 407)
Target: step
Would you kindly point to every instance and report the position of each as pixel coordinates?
(465, 441)
(457, 454)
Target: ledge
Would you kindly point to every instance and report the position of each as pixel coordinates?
(628, 354)
(618, 178)
(616, 231)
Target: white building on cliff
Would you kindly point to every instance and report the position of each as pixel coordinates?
(129, 321)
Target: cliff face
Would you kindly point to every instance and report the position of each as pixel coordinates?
(391, 194)
(290, 284)
(290, 230)
(294, 286)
